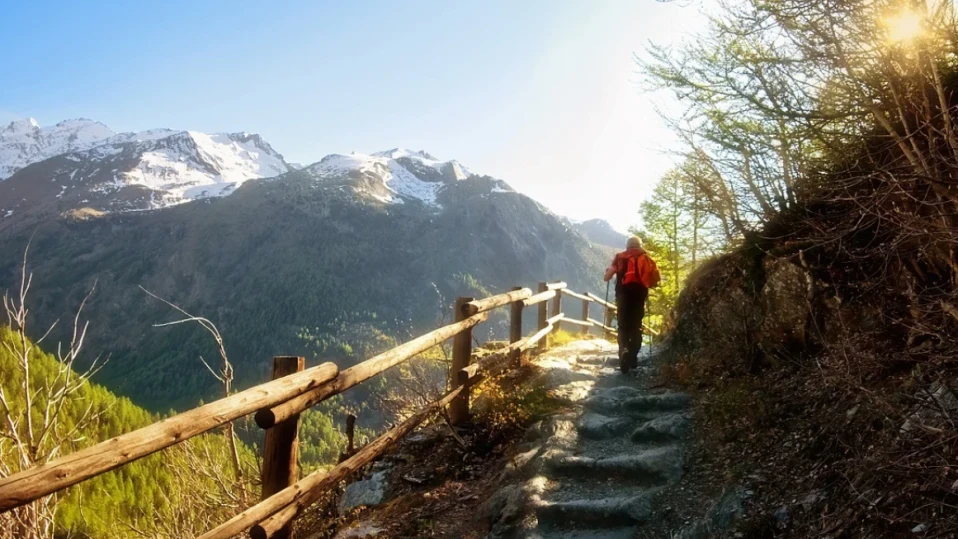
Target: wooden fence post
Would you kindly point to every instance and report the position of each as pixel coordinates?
(556, 309)
(350, 434)
(543, 316)
(515, 330)
(461, 355)
(585, 315)
(281, 450)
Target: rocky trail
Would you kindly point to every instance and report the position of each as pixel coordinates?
(601, 468)
(615, 458)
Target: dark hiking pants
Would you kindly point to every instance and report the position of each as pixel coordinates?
(630, 300)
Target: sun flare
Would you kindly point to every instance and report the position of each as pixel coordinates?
(904, 26)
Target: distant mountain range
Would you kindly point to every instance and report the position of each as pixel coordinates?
(601, 232)
(335, 259)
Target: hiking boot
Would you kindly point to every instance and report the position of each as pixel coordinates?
(625, 363)
(635, 361)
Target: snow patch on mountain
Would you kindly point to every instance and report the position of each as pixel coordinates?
(460, 172)
(189, 165)
(404, 173)
(24, 142)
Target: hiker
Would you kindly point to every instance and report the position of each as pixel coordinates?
(635, 272)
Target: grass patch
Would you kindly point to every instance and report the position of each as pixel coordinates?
(563, 337)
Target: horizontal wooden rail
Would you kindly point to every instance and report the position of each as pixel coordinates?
(269, 416)
(576, 295)
(598, 324)
(575, 322)
(555, 319)
(539, 298)
(601, 301)
(490, 363)
(542, 333)
(487, 304)
(274, 512)
(607, 328)
(34, 483)
(612, 306)
(558, 285)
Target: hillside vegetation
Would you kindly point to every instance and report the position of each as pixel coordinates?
(821, 147)
(172, 494)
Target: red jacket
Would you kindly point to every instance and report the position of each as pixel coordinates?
(635, 266)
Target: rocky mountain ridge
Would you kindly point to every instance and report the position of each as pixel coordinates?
(80, 164)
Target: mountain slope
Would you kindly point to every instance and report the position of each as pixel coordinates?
(132, 171)
(601, 232)
(315, 264)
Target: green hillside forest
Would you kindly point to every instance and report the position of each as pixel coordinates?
(175, 493)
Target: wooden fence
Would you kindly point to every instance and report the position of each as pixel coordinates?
(277, 405)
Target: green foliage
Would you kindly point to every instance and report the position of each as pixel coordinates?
(678, 233)
(138, 494)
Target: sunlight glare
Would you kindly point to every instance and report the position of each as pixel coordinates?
(904, 26)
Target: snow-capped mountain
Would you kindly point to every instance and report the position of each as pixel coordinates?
(24, 142)
(83, 166)
(394, 176)
(189, 165)
(111, 172)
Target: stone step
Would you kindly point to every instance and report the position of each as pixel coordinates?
(666, 428)
(595, 426)
(605, 533)
(652, 467)
(602, 512)
(598, 359)
(630, 400)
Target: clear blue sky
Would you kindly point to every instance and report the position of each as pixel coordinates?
(540, 93)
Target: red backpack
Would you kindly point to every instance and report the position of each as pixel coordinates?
(639, 268)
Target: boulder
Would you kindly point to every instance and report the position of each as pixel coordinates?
(512, 508)
(784, 306)
(368, 492)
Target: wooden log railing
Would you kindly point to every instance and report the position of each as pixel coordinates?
(278, 404)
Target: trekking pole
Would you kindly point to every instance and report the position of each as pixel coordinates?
(648, 319)
(607, 283)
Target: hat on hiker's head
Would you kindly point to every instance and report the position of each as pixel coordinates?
(634, 242)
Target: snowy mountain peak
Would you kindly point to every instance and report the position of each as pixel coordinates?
(179, 166)
(396, 175)
(82, 163)
(21, 127)
(24, 142)
(396, 153)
